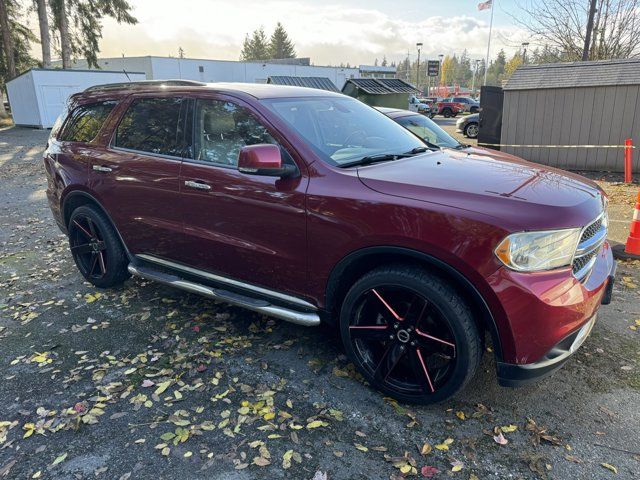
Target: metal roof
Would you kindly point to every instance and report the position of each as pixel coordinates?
(575, 74)
(382, 86)
(320, 83)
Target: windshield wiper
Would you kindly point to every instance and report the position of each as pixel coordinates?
(383, 157)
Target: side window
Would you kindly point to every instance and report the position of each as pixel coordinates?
(85, 122)
(222, 129)
(151, 125)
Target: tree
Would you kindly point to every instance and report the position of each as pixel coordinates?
(79, 23)
(45, 38)
(512, 64)
(255, 47)
(384, 61)
(562, 25)
(7, 39)
(448, 71)
(17, 36)
(280, 45)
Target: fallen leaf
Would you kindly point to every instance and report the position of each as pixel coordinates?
(428, 471)
(500, 440)
(608, 466)
(59, 459)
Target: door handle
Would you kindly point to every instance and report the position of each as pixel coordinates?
(197, 185)
(102, 169)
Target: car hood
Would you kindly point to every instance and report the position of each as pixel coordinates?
(516, 194)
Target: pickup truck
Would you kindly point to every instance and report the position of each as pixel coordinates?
(448, 109)
(418, 105)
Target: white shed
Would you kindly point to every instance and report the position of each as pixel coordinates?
(39, 95)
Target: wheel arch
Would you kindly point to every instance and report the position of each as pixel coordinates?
(357, 263)
(77, 198)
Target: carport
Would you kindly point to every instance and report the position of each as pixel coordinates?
(39, 95)
(380, 92)
(578, 104)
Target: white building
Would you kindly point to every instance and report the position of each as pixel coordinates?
(164, 68)
(39, 95)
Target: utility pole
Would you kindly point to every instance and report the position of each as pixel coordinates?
(524, 52)
(419, 45)
(587, 37)
(473, 82)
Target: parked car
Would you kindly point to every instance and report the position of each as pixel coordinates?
(470, 105)
(425, 128)
(469, 126)
(310, 206)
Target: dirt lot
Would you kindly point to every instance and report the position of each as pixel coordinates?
(148, 382)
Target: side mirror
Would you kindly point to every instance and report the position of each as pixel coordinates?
(263, 159)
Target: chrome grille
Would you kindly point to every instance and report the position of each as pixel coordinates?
(591, 240)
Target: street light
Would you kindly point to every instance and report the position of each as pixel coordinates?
(419, 46)
(475, 70)
(441, 56)
(524, 52)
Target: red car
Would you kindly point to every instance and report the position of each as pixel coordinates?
(312, 207)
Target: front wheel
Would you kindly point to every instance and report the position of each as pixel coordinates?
(471, 130)
(96, 248)
(410, 334)
(447, 113)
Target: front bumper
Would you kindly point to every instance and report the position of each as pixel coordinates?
(549, 315)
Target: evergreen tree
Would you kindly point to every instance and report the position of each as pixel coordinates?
(384, 61)
(255, 47)
(45, 37)
(79, 23)
(280, 45)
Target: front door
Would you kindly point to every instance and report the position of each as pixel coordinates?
(246, 227)
(136, 175)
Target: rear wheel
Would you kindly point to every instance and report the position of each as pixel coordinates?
(410, 334)
(96, 248)
(447, 113)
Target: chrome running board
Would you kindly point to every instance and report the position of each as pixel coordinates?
(307, 319)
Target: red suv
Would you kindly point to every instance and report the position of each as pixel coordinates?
(312, 207)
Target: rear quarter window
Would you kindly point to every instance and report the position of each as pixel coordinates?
(85, 121)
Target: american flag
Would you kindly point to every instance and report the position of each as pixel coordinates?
(485, 5)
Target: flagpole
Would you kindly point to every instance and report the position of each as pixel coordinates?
(486, 64)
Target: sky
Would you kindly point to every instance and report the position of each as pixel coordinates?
(329, 31)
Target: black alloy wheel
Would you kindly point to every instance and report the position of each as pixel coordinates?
(96, 248)
(410, 334)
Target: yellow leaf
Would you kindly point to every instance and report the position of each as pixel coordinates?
(59, 459)
(177, 394)
(243, 410)
(426, 449)
(187, 454)
(610, 467)
(360, 447)
(37, 474)
(406, 468)
(162, 387)
(316, 424)
(448, 441)
(269, 416)
(461, 415)
(289, 404)
(456, 468)
(165, 451)
(509, 428)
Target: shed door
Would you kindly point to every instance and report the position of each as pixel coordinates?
(491, 101)
(54, 98)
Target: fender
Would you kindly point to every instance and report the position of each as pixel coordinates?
(91, 199)
(488, 317)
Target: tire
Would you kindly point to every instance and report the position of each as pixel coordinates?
(96, 248)
(410, 334)
(447, 113)
(471, 130)
(474, 110)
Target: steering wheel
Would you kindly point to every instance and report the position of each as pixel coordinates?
(353, 135)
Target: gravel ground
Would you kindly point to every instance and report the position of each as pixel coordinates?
(149, 382)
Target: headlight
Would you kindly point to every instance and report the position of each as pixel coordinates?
(535, 251)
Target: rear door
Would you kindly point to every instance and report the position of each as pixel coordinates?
(247, 227)
(136, 176)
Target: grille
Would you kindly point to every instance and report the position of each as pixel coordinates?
(592, 238)
(591, 230)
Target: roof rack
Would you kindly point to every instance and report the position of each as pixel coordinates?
(145, 83)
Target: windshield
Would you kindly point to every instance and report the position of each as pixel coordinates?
(344, 130)
(427, 129)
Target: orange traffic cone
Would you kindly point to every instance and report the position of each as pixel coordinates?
(633, 241)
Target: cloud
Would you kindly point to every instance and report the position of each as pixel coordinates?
(329, 33)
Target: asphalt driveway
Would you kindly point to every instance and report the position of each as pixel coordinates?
(149, 382)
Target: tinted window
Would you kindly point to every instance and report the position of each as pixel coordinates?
(151, 125)
(222, 129)
(85, 122)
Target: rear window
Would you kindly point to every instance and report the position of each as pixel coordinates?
(151, 125)
(84, 122)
